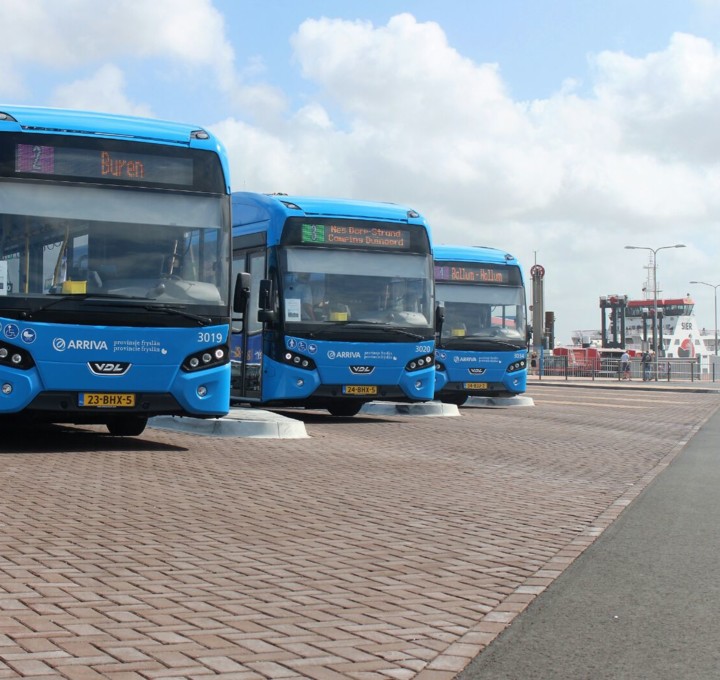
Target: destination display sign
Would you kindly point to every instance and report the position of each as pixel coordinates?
(470, 272)
(354, 235)
(99, 163)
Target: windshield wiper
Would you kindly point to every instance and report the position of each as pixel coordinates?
(168, 309)
(483, 340)
(508, 345)
(381, 325)
(74, 296)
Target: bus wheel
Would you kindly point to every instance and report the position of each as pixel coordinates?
(127, 426)
(345, 408)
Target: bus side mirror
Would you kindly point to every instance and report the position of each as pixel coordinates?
(528, 332)
(242, 292)
(439, 318)
(266, 311)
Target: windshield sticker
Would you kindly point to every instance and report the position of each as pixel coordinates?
(292, 309)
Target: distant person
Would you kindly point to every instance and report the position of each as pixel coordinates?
(646, 364)
(625, 366)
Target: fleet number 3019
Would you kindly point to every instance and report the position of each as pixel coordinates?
(209, 337)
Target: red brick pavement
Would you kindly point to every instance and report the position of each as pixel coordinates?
(380, 547)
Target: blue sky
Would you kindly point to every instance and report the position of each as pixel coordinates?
(560, 130)
(537, 44)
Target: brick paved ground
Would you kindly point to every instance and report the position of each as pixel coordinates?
(378, 548)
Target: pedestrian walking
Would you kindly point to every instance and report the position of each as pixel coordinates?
(646, 364)
(625, 366)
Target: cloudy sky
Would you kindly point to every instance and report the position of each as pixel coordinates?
(558, 130)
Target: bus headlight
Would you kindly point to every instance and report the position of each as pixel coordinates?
(419, 363)
(15, 357)
(298, 360)
(206, 358)
(517, 366)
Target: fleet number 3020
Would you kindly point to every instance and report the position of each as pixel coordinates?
(209, 337)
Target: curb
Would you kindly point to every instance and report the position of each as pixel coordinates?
(499, 402)
(239, 422)
(426, 408)
(617, 385)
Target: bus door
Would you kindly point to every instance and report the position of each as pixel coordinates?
(246, 353)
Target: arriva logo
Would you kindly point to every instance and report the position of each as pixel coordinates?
(343, 355)
(60, 344)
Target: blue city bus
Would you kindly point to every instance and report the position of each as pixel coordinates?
(114, 269)
(341, 308)
(482, 344)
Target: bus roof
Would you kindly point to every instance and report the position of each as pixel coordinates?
(90, 124)
(473, 254)
(250, 207)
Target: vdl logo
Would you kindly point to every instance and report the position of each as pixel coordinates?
(109, 367)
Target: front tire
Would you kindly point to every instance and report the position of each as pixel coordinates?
(127, 426)
(345, 408)
(457, 399)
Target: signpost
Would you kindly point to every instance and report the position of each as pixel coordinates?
(537, 272)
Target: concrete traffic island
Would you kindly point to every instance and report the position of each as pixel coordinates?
(240, 422)
(424, 408)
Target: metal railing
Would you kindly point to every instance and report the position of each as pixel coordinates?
(676, 369)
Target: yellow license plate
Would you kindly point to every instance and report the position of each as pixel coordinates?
(475, 386)
(106, 399)
(360, 389)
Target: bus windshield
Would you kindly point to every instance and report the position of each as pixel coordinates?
(483, 311)
(336, 286)
(116, 241)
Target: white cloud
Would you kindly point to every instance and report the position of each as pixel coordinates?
(11, 84)
(103, 91)
(662, 96)
(404, 117)
(63, 35)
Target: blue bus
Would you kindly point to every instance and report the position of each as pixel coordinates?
(114, 269)
(482, 344)
(341, 308)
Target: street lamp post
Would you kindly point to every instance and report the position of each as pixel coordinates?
(656, 328)
(715, 287)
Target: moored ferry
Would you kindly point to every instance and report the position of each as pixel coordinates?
(680, 335)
